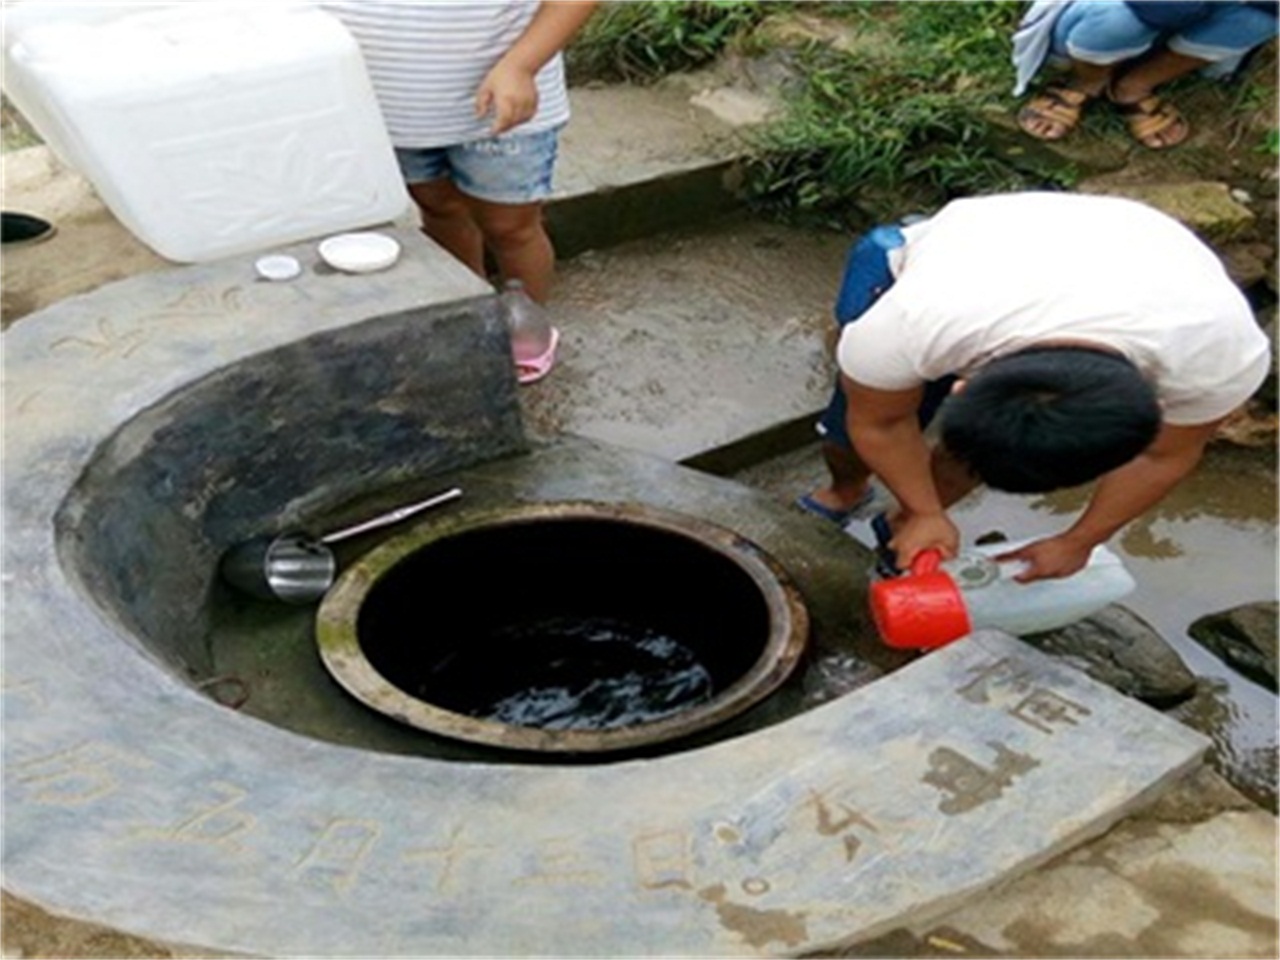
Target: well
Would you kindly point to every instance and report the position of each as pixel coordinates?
(156, 422)
(567, 627)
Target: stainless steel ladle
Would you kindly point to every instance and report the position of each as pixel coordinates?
(299, 569)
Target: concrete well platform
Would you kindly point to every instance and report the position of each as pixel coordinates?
(135, 801)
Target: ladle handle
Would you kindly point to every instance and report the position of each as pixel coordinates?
(395, 516)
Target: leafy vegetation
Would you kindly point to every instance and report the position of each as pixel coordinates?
(900, 112)
(889, 105)
(640, 41)
(907, 119)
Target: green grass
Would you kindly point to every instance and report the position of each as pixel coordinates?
(904, 116)
(639, 41)
(862, 134)
(904, 120)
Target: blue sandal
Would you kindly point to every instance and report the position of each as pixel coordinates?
(839, 517)
(886, 558)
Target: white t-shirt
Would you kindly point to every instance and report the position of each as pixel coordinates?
(427, 58)
(990, 275)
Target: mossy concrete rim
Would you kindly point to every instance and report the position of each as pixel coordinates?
(788, 631)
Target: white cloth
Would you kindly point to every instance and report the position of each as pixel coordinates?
(1033, 41)
(427, 58)
(987, 276)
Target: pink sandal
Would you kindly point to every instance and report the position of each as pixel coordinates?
(532, 370)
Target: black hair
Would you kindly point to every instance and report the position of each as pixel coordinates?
(1045, 418)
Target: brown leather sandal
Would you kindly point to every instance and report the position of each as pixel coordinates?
(1055, 104)
(1154, 122)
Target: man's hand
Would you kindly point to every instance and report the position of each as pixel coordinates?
(913, 533)
(510, 94)
(1058, 556)
(1121, 496)
(884, 426)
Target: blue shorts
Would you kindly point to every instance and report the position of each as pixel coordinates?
(513, 168)
(866, 277)
(1107, 33)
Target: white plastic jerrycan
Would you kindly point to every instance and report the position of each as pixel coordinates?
(208, 129)
(939, 601)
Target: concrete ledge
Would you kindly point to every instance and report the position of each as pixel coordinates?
(667, 164)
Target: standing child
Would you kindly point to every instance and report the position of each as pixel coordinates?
(474, 98)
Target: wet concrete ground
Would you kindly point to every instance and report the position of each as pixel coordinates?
(1209, 546)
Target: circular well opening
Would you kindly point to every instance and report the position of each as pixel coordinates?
(567, 627)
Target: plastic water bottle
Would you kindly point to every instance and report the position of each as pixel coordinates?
(533, 337)
(940, 601)
(995, 599)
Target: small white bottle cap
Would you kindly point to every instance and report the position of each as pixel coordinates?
(278, 267)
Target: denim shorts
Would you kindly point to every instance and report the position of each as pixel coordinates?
(1106, 33)
(866, 277)
(513, 168)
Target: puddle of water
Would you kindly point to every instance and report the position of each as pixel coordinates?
(1209, 546)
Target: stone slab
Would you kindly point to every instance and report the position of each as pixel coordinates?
(638, 161)
(134, 801)
(887, 806)
(687, 344)
(662, 134)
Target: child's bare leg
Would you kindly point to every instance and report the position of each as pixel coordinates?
(447, 219)
(515, 235)
(849, 477)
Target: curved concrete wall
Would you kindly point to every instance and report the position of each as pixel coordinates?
(282, 438)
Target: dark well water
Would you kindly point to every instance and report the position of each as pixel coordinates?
(577, 626)
(573, 624)
(566, 673)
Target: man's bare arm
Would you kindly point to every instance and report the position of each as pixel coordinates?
(1121, 496)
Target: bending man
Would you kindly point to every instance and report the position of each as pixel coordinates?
(1072, 337)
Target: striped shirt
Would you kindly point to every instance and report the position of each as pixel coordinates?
(427, 58)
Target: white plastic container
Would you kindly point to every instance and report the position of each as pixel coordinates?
(208, 127)
(995, 600)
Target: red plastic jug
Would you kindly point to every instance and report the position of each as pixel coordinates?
(922, 609)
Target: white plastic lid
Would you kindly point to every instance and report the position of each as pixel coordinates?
(277, 267)
(360, 252)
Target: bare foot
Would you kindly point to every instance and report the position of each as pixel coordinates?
(1054, 112)
(1153, 121)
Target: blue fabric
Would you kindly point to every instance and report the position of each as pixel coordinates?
(866, 277)
(1229, 32)
(513, 169)
(1101, 33)
(866, 273)
(1170, 14)
(1108, 33)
